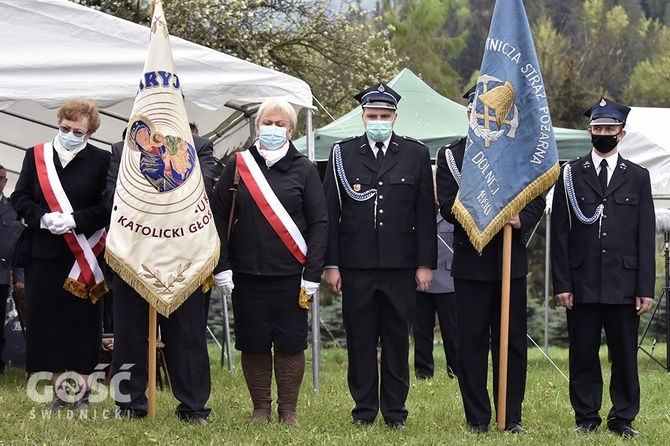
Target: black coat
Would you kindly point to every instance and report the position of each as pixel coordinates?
(254, 246)
(83, 180)
(7, 216)
(401, 231)
(468, 263)
(610, 264)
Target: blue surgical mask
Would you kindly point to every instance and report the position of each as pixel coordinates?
(379, 131)
(69, 141)
(272, 137)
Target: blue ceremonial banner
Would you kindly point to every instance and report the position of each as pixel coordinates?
(510, 156)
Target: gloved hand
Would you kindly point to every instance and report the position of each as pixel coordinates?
(48, 219)
(64, 223)
(224, 280)
(310, 287)
(307, 290)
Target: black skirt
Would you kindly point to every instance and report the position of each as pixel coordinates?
(267, 314)
(64, 332)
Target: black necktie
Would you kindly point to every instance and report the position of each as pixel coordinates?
(602, 176)
(380, 153)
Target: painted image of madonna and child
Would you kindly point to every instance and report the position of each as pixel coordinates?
(166, 161)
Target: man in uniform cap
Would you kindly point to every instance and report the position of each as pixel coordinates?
(602, 251)
(382, 244)
(478, 285)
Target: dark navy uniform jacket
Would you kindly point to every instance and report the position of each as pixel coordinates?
(400, 232)
(612, 260)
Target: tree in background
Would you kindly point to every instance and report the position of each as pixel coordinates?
(337, 50)
(419, 36)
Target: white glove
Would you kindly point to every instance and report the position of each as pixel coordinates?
(63, 224)
(224, 280)
(310, 287)
(48, 219)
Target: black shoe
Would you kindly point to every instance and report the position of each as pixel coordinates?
(514, 428)
(126, 414)
(624, 430)
(479, 428)
(423, 376)
(586, 428)
(83, 402)
(452, 374)
(397, 424)
(200, 421)
(360, 422)
(57, 403)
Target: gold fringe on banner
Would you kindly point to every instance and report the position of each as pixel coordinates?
(164, 308)
(480, 239)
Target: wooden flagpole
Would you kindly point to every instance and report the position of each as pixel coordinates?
(501, 411)
(152, 362)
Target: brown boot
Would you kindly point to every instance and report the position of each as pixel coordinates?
(257, 368)
(289, 369)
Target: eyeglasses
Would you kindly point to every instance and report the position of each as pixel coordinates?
(66, 129)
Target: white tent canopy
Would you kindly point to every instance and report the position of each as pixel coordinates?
(55, 50)
(647, 144)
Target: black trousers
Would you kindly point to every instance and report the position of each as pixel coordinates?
(184, 336)
(377, 306)
(478, 308)
(621, 323)
(4, 294)
(423, 326)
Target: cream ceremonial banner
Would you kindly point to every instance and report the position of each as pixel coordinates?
(162, 238)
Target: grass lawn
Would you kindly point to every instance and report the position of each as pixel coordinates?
(435, 412)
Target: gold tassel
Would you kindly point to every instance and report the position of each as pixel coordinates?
(77, 288)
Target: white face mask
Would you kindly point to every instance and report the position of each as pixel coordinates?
(69, 141)
(272, 137)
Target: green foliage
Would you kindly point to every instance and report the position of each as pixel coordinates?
(586, 48)
(419, 36)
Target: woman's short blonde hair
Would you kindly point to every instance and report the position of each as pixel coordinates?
(280, 105)
(75, 109)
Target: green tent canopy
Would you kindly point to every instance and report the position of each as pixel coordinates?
(429, 117)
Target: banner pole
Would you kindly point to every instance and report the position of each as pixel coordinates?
(501, 410)
(152, 362)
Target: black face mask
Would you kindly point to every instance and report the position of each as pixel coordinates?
(604, 143)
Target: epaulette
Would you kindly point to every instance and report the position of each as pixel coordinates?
(453, 143)
(623, 161)
(345, 140)
(408, 138)
(574, 160)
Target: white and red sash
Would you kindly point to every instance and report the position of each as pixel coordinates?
(85, 279)
(270, 206)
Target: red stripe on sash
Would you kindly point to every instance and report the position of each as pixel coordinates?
(52, 201)
(267, 210)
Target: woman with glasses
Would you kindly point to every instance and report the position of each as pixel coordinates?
(58, 194)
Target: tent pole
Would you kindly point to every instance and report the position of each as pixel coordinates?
(316, 307)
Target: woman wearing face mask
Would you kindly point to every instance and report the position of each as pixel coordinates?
(58, 194)
(273, 233)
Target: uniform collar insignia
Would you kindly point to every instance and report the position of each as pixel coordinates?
(587, 164)
(622, 166)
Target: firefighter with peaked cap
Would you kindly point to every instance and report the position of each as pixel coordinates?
(478, 284)
(382, 245)
(602, 255)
